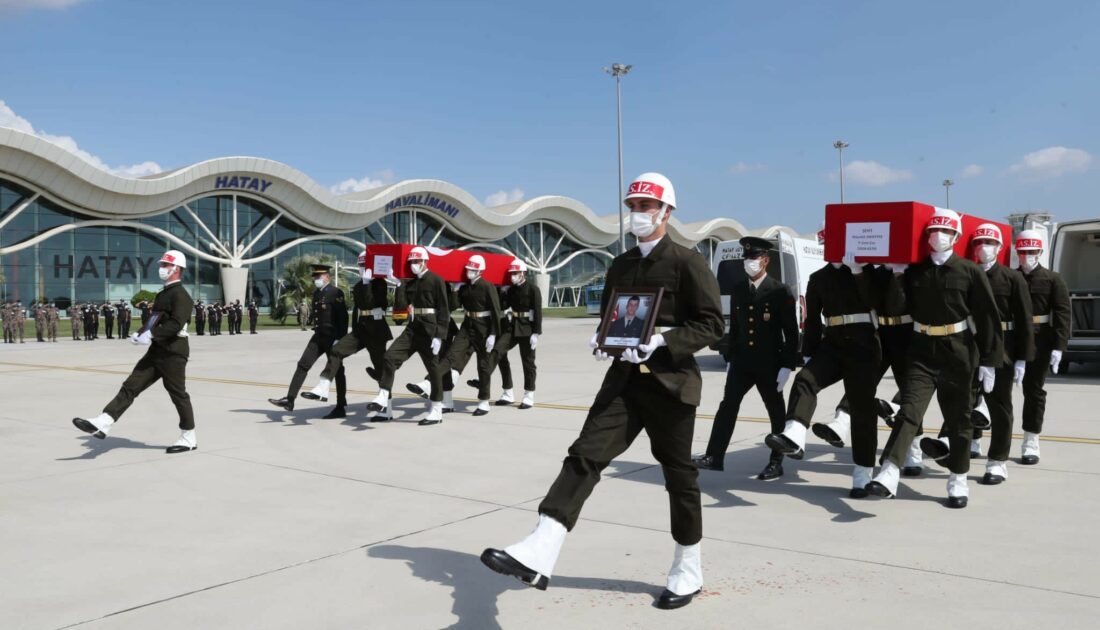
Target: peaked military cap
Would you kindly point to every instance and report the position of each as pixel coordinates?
(755, 246)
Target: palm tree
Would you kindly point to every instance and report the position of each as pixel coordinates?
(297, 281)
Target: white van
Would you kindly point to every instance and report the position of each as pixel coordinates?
(1076, 255)
(792, 260)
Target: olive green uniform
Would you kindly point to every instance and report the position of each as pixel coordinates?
(166, 358)
(366, 332)
(1050, 301)
(329, 319)
(482, 318)
(430, 300)
(659, 395)
(943, 362)
(523, 307)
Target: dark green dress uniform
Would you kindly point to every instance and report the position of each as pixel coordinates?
(523, 303)
(841, 344)
(1051, 309)
(942, 361)
(659, 395)
(763, 339)
(329, 317)
(253, 317)
(430, 300)
(1010, 293)
(482, 318)
(109, 320)
(166, 358)
(200, 318)
(367, 331)
(124, 317)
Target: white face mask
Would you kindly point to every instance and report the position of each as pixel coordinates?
(417, 268)
(1029, 261)
(164, 273)
(318, 282)
(642, 224)
(472, 275)
(752, 267)
(940, 242)
(987, 253)
(517, 278)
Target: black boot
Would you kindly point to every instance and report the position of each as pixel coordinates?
(709, 462)
(505, 564)
(773, 470)
(283, 402)
(337, 412)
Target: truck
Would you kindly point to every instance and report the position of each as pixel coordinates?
(791, 261)
(1075, 254)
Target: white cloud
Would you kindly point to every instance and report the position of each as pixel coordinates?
(8, 118)
(1050, 163)
(868, 173)
(502, 197)
(374, 180)
(971, 170)
(36, 4)
(745, 167)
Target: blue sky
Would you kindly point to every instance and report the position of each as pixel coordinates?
(737, 102)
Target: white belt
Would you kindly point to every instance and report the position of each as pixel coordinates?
(478, 313)
(852, 318)
(1040, 319)
(1008, 325)
(527, 314)
(894, 320)
(366, 312)
(940, 331)
(423, 311)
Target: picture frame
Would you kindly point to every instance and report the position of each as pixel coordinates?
(629, 318)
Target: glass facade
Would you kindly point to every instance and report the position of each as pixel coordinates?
(111, 262)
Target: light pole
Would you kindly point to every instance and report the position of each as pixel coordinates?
(947, 184)
(840, 145)
(617, 70)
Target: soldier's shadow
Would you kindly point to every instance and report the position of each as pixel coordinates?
(97, 447)
(475, 588)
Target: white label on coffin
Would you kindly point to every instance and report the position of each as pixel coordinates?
(383, 265)
(867, 239)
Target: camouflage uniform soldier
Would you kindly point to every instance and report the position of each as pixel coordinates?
(75, 315)
(40, 321)
(53, 318)
(20, 320)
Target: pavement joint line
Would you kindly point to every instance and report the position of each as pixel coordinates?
(152, 459)
(227, 381)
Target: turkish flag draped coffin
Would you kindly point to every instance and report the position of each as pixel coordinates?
(450, 264)
(893, 232)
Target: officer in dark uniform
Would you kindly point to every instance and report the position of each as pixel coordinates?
(200, 318)
(427, 300)
(109, 319)
(89, 322)
(329, 317)
(144, 306)
(522, 326)
(479, 331)
(212, 318)
(655, 387)
(1010, 292)
(369, 330)
(253, 317)
(957, 331)
(1051, 305)
(166, 359)
(124, 317)
(763, 349)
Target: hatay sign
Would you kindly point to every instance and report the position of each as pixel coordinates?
(243, 182)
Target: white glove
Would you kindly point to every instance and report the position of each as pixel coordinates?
(143, 339)
(592, 342)
(534, 340)
(366, 274)
(436, 345)
(897, 268)
(1020, 367)
(490, 341)
(1055, 359)
(377, 313)
(656, 341)
(987, 376)
(601, 355)
(781, 380)
(183, 332)
(631, 355)
(850, 262)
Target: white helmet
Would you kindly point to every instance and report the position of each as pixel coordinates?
(418, 253)
(363, 259)
(1029, 240)
(174, 257)
(821, 234)
(945, 219)
(476, 263)
(517, 266)
(989, 231)
(652, 186)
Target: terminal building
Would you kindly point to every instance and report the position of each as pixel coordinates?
(72, 232)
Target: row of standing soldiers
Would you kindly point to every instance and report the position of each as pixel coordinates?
(209, 317)
(86, 319)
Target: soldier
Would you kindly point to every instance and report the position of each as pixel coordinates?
(958, 332)
(76, 318)
(39, 310)
(5, 309)
(89, 322)
(655, 387)
(124, 317)
(95, 321)
(166, 359)
(234, 315)
(20, 319)
(53, 319)
(522, 301)
(330, 322)
(109, 319)
(303, 315)
(1051, 305)
(144, 306)
(762, 351)
(253, 317)
(427, 301)
(1010, 292)
(479, 331)
(211, 318)
(200, 318)
(369, 330)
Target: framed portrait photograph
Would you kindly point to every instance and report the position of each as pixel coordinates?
(629, 319)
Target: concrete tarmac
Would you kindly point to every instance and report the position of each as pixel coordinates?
(285, 520)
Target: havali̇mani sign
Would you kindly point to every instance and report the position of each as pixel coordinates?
(426, 201)
(244, 182)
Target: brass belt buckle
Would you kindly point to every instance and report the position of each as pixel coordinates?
(643, 368)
